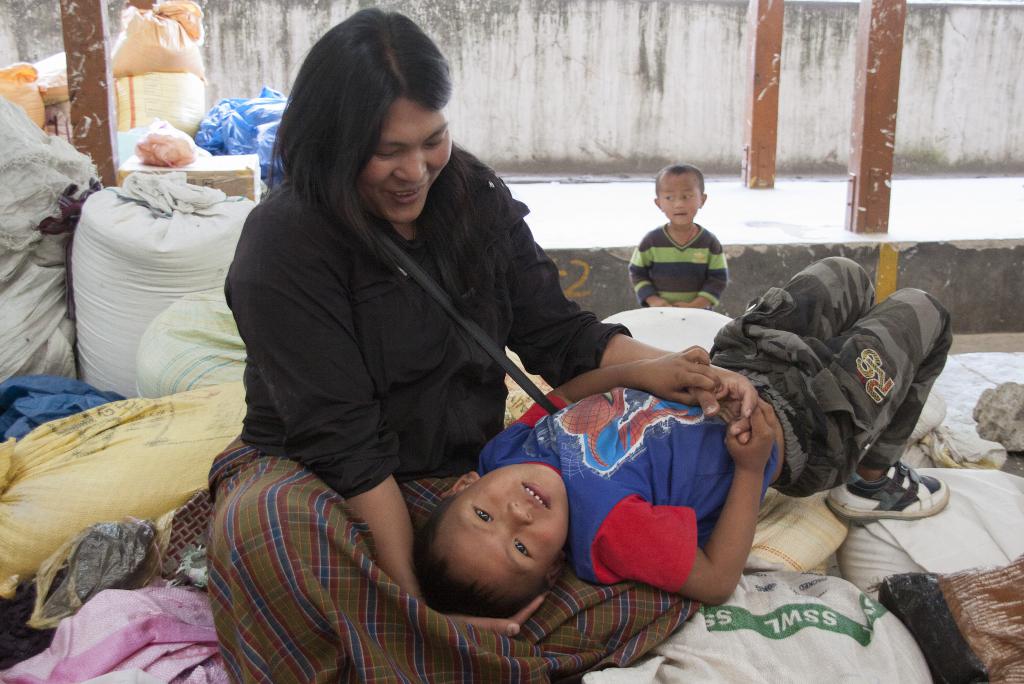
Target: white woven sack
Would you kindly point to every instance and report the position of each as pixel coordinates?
(131, 262)
(35, 338)
(35, 169)
(981, 526)
(783, 627)
(932, 414)
(194, 343)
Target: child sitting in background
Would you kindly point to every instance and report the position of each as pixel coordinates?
(680, 263)
(633, 487)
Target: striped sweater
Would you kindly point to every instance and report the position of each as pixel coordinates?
(678, 273)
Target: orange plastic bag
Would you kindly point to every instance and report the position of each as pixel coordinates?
(18, 84)
(164, 39)
(165, 145)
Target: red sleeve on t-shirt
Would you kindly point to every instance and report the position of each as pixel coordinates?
(652, 544)
(536, 412)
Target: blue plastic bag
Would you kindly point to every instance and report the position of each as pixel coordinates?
(28, 401)
(245, 126)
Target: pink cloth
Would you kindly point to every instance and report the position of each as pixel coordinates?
(164, 631)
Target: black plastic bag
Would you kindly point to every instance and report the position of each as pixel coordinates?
(917, 600)
(107, 555)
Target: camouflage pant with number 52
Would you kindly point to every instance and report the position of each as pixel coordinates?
(847, 377)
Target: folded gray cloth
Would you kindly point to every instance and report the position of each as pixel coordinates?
(168, 192)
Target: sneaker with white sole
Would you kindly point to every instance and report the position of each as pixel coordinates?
(902, 494)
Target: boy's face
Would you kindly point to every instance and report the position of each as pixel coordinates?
(507, 528)
(679, 198)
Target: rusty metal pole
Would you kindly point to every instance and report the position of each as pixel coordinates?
(876, 95)
(764, 30)
(90, 85)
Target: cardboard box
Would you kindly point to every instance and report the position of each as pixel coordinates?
(235, 174)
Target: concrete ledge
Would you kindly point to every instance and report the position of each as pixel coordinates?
(981, 282)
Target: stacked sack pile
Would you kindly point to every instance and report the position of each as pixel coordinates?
(41, 89)
(137, 249)
(158, 68)
(43, 178)
(52, 81)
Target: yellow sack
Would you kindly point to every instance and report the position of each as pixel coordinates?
(795, 533)
(178, 99)
(138, 457)
(166, 38)
(18, 84)
(193, 343)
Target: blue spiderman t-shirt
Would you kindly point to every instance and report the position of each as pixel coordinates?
(646, 480)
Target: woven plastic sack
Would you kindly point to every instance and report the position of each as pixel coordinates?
(136, 458)
(131, 262)
(178, 99)
(36, 337)
(35, 170)
(783, 627)
(980, 526)
(795, 533)
(193, 343)
(164, 39)
(18, 85)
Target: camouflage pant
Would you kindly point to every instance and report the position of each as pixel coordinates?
(847, 377)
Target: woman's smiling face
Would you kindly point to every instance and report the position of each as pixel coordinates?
(414, 147)
(507, 528)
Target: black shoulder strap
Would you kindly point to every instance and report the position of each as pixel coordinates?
(413, 270)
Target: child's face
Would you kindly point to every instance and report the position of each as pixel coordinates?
(507, 528)
(679, 198)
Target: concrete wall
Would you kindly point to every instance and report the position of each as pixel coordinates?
(622, 86)
(980, 282)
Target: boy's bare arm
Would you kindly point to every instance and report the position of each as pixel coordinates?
(717, 568)
(656, 300)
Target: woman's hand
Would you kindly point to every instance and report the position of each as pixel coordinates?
(686, 377)
(508, 626)
(676, 377)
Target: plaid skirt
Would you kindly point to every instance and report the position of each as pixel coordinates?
(297, 597)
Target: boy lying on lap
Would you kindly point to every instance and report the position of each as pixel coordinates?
(629, 486)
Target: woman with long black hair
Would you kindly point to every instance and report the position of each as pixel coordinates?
(356, 378)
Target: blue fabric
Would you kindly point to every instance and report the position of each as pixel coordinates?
(625, 442)
(245, 126)
(28, 401)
